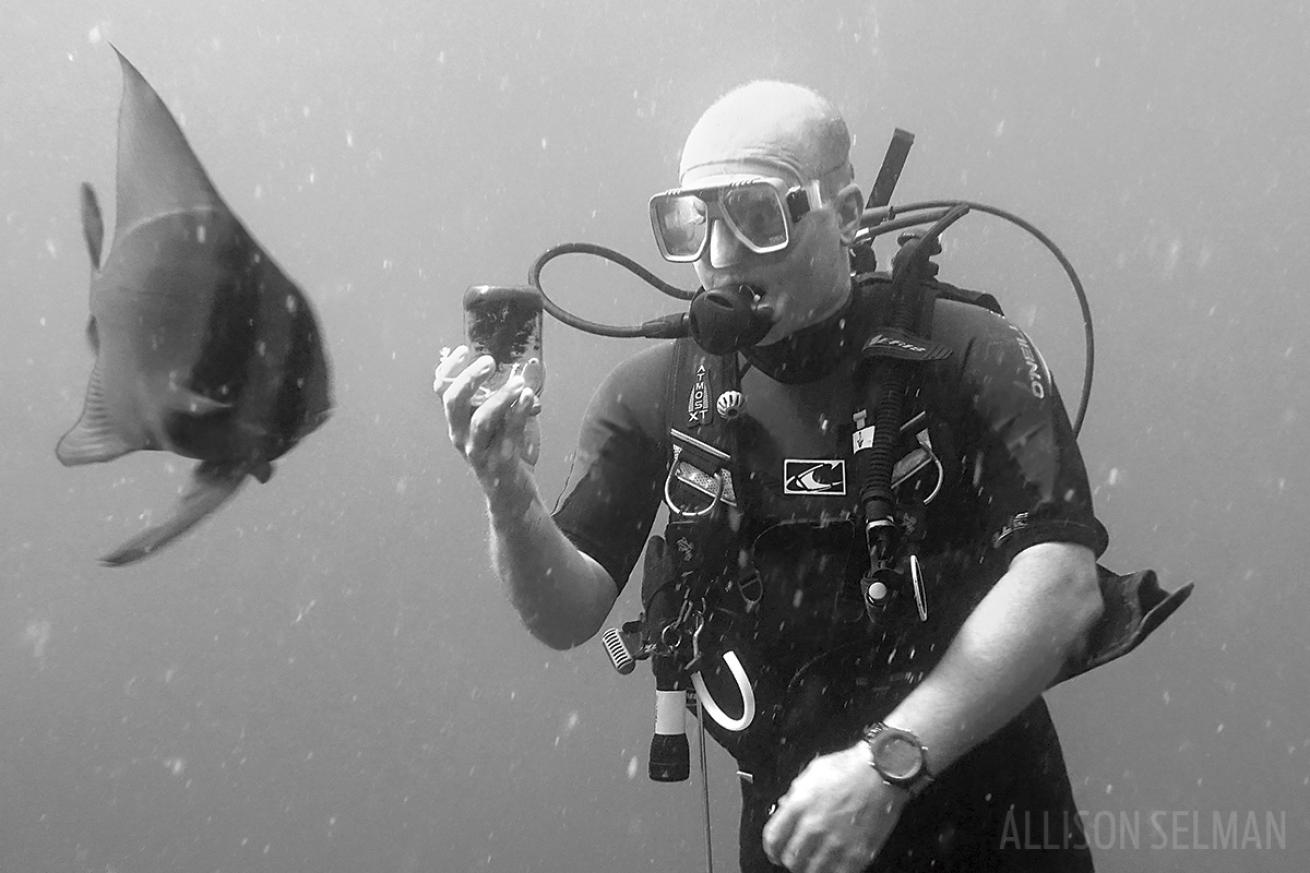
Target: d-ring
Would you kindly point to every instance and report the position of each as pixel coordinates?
(686, 513)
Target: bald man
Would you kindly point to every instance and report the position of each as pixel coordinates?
(914, 744)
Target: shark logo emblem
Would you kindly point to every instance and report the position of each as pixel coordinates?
(814, 476)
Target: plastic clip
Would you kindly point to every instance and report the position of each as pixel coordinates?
(622, 649)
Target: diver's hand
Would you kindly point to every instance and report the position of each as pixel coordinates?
(499, 434)
(835, 817)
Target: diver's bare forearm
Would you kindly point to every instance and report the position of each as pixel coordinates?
(1006, 654)
(561, 594)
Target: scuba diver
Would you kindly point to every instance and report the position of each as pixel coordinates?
(881, 546)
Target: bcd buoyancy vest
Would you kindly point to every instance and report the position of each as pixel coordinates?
(763, 554)
(773, 459)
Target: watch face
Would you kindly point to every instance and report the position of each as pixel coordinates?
(898, 757)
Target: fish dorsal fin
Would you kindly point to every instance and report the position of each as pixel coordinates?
(93, 224)
(94, 437)
(157, 171)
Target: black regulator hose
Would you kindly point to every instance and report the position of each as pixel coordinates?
(885, 219)
(877, 499)
(664, 327)
(874, 222)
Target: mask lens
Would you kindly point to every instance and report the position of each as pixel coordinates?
(755, 212)
(680, 222)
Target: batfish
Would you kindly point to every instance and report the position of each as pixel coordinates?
(203, 346)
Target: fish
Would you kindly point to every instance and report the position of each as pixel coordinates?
(203, 346)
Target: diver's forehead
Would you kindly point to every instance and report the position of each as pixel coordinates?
(725, 172)
(736, 150)
(795, 152)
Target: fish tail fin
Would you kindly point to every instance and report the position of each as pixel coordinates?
(93, 438)
(93, 224)
(211, 486)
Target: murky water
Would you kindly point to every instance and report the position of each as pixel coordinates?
(326, 676)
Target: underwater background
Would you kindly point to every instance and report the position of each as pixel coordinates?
(326, 676)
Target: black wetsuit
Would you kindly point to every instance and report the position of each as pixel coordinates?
(1012, 477)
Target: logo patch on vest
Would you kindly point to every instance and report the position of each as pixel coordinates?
(814, 476)
(698, 403)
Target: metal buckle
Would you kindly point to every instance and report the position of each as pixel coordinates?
(701, 467)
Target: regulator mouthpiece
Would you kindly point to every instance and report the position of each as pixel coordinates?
(729, 319)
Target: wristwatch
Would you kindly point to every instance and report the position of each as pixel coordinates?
(898, 757)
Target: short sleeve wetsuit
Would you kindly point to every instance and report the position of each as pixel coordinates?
(1011, 477)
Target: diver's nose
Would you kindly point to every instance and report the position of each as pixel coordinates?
(724, 247)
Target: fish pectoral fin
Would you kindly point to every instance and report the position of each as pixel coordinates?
(262, 472)
(94, 438)
(186, 402)
(93, 224)
(211, 485)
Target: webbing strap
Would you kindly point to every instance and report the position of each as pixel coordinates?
(703, 440)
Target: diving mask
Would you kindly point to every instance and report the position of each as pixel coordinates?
(760, 212)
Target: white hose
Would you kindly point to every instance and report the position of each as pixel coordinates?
(743, 688)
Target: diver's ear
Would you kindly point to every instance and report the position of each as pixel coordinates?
(848, 205)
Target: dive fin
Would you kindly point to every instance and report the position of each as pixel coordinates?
(211, 485)
(93, 438)
(1135, 605)
(93, 224)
